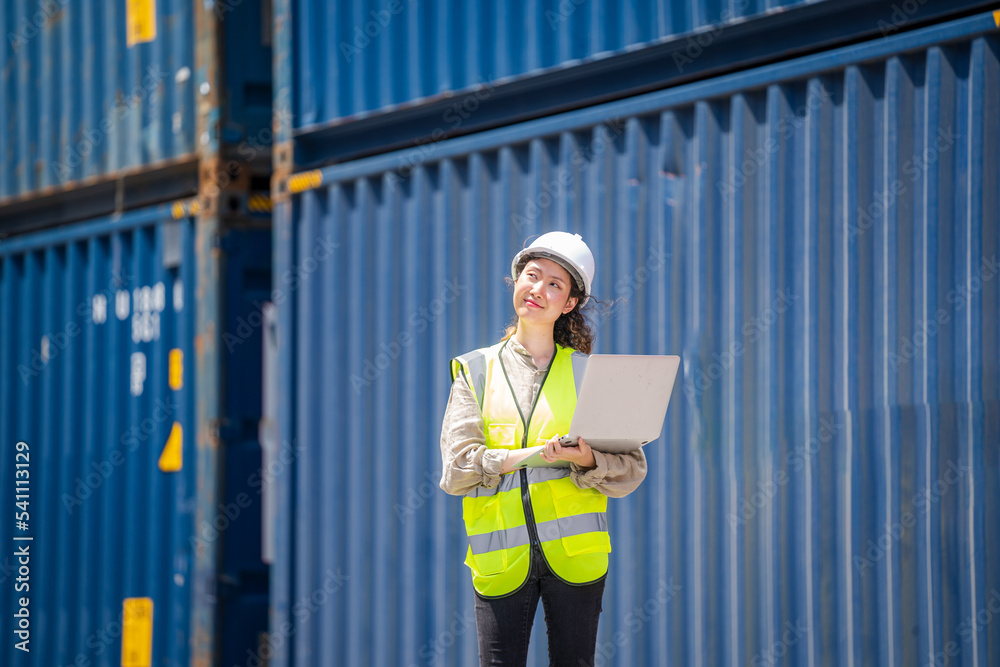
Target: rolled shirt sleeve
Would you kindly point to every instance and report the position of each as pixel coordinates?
(466, 460)
(615, 475)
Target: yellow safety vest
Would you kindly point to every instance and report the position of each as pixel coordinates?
(534, 505)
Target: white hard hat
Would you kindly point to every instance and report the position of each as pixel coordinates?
(568, 250)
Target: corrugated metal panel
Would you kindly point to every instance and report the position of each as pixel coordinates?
(430, 83)
(90, 317)
(77, 102)
(359, 57)
(104, 357)
(818, 239)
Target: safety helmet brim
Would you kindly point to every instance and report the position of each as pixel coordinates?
(580, 268)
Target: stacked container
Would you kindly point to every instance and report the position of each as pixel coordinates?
(135, 254)
(232, 428)
(814, 231)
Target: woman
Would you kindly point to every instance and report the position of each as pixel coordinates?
(542, 531)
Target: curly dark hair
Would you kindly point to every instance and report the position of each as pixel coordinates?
(571, 329)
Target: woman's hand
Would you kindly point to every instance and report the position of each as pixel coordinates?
(580, 454)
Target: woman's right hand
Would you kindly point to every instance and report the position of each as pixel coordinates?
(579, 453)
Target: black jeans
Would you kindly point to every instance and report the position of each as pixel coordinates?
(571, 614)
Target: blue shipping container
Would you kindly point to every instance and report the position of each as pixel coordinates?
(358, 78)
(818, 239)
(360, 57)
(106, 366)
(94, 90)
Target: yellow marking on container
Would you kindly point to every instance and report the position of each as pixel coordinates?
(172, 456)
(183, 209)
(307, 180)
(137, 632)
(175, 369)
(996, 17)
(259, 203)
(140, 21)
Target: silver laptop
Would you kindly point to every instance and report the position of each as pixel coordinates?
(621, 405)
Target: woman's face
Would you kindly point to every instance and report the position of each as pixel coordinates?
(541, 292)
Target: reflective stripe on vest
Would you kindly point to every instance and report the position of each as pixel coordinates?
(570, 523)
(473, 365)
(547, 530)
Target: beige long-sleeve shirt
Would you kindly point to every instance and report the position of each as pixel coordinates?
(469, 463)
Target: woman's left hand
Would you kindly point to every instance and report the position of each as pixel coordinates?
(580, 454)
